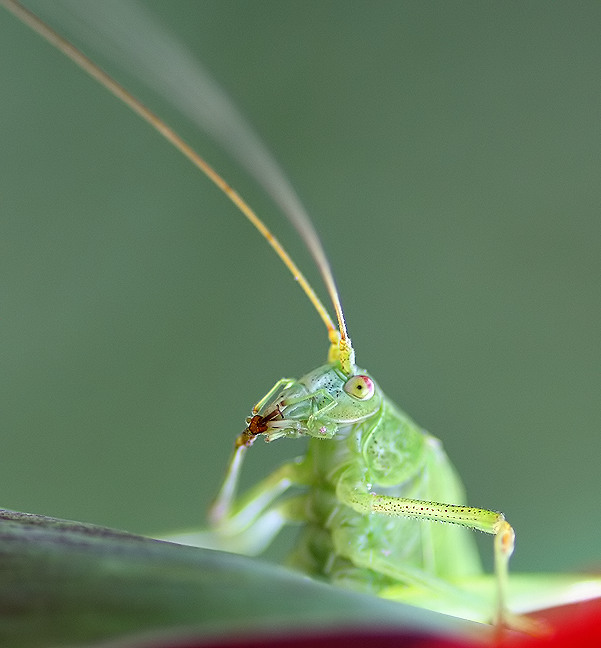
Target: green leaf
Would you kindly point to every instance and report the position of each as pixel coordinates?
(68, 583)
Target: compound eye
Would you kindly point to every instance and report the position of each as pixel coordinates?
(360, 387)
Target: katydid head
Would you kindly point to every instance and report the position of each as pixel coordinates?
(321, 404)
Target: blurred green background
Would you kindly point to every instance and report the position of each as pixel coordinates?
(450, 155)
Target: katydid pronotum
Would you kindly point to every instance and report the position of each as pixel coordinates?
(365, 479)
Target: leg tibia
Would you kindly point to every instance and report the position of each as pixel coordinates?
(239, 513)
(484, 520)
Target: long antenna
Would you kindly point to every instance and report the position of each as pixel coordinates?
(341, 348)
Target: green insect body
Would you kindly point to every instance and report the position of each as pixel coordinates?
(381, 507)
(361, 447)
(369, 470)
(368, 473)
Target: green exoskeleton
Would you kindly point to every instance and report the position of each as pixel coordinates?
(370, 479)
(381, 507)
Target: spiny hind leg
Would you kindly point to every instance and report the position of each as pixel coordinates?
(355, 495)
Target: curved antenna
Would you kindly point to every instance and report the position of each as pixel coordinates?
(267, 172)
(216, 115)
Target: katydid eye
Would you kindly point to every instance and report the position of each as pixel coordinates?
(360, 387)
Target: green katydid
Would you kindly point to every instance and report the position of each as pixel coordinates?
(369, 471)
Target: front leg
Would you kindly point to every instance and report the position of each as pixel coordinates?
(247, 524)
(278, 422)
(355, 494)
(250, 538)
(235, 513)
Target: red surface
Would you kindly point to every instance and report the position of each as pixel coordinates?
(573, 626)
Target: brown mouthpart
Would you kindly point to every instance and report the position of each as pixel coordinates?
(256, 425)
